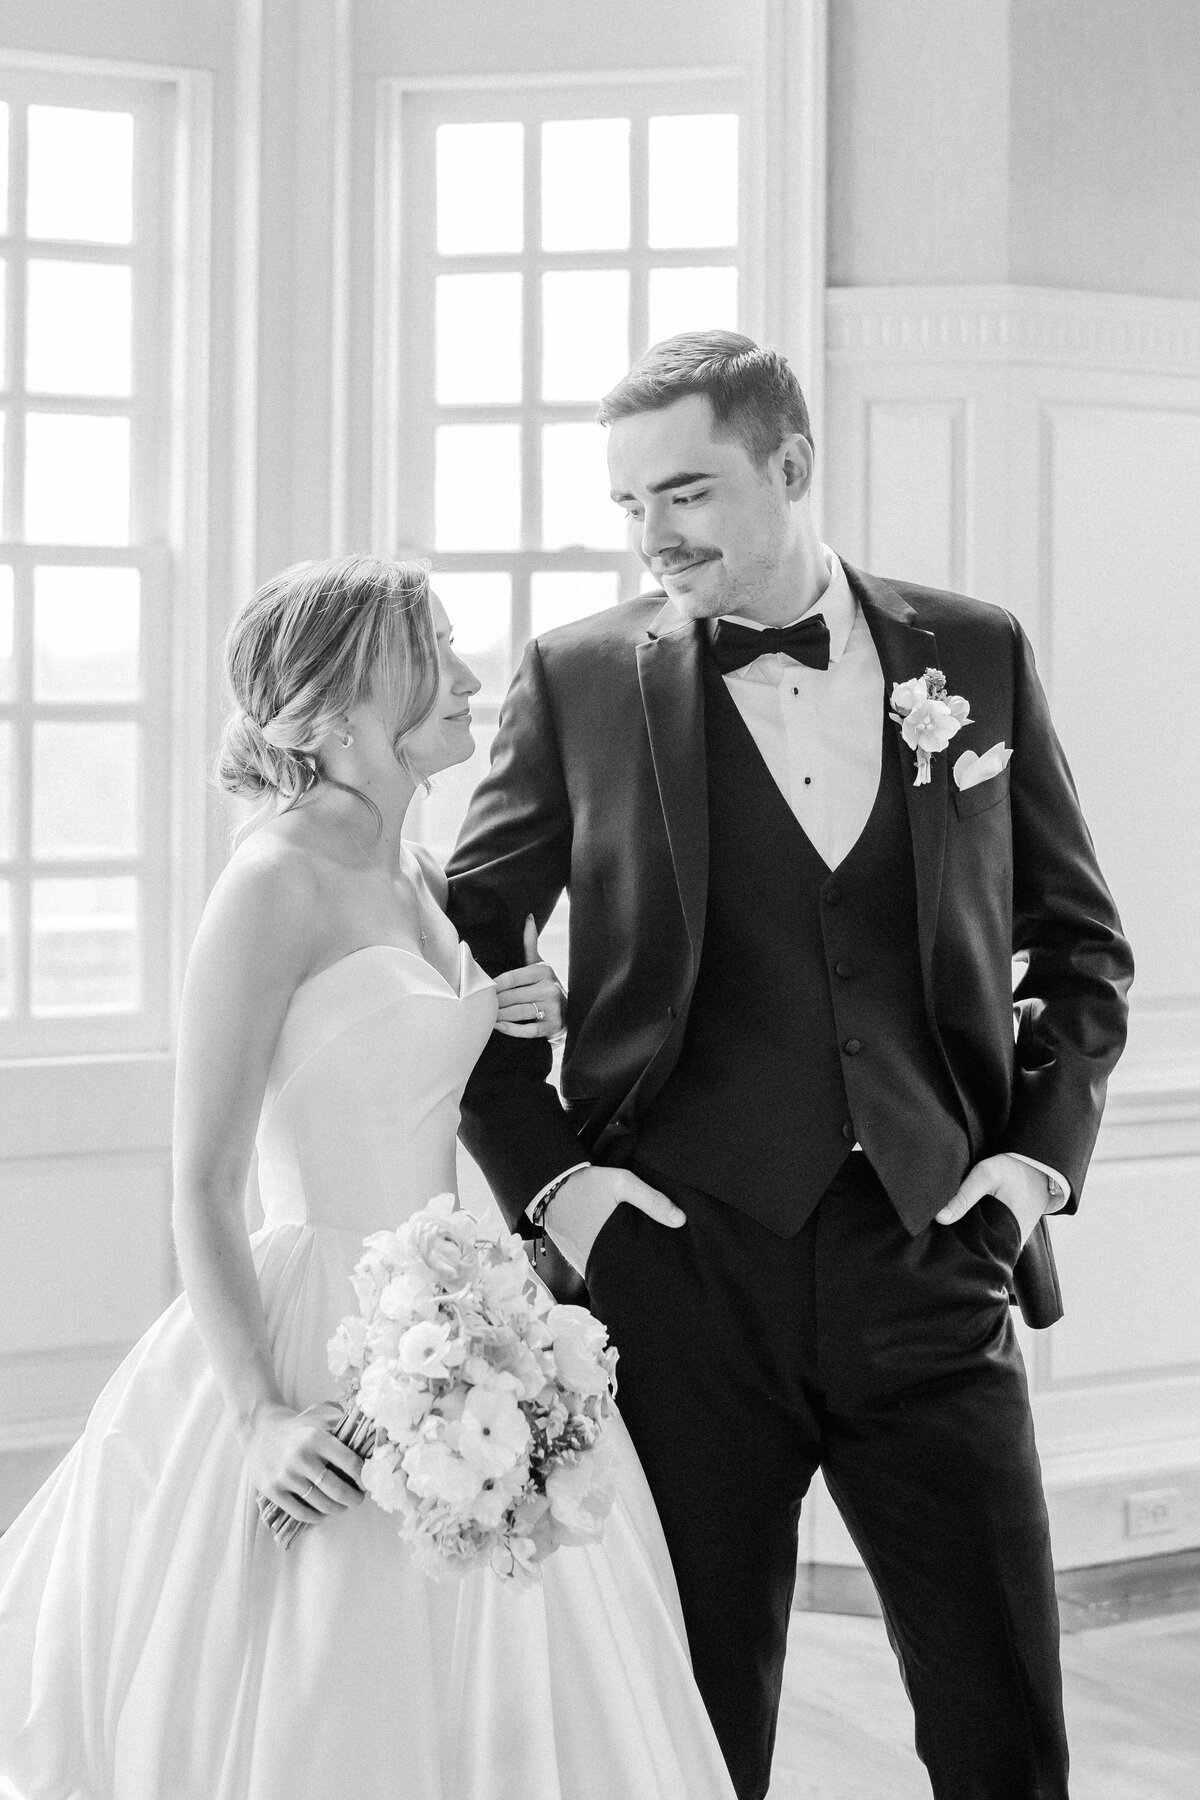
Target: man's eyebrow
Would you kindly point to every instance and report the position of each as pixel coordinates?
(684, 479)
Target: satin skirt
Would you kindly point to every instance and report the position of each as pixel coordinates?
(155, 1642)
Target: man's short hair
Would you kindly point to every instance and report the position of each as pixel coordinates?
(753, 393)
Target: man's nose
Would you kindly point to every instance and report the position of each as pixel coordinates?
(658, 532)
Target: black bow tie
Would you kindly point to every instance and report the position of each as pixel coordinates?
(806, 642)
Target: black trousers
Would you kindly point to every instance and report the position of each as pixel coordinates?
(890, 1362)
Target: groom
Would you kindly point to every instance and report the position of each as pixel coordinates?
(798, 1155)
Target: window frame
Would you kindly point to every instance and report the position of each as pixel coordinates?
(405, 409)
(167, 407)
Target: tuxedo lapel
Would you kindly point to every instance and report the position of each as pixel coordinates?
(906, 650)
(672, 685)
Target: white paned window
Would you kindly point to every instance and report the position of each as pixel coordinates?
(85, 675)
(545, 237)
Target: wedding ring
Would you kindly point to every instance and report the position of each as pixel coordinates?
(308, 1490)
(540, 1014)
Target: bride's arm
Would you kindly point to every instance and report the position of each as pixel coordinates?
(256, 943)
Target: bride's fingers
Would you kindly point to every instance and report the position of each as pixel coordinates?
(530, 975)
(298, 1505)
(532, 1021)
(529, 939)
(322, 1490)
(338, 1489)
(339, 1457)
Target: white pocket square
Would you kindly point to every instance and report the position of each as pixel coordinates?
(971, 770)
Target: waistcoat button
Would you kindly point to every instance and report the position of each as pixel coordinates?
(848, 1132)
(832, 895)
(845, 970)
(852, 1046)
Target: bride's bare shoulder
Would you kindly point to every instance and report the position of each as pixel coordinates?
(266, 910)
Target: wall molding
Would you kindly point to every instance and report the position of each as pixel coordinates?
(1001, 324)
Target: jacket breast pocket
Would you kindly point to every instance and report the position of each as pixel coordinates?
(972, 800)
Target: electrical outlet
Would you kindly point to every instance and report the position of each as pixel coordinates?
(1154, 1513)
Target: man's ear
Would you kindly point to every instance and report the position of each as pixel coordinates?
(794, 459)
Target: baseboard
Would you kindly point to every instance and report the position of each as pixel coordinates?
(1113, 1593)
(1103, 1594)
(836, 1588)
(1123, 1507)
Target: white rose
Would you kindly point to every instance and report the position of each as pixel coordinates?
(503, 1287)
(579, 1340)
(907, 694)
(411, 1291)
(347, 1346)
(443, 1239)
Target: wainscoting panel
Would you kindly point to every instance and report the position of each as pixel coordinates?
(1129, 1316)
(915, 490)
(87, 1265)
(1122, 487)
(87, 1250)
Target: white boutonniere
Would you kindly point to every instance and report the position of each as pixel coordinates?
(928, 717)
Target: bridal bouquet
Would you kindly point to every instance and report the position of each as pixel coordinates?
(482, 1402)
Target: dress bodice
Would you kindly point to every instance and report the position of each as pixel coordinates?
(360, 1114)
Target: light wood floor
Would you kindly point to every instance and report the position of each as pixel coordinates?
(1132, 1699)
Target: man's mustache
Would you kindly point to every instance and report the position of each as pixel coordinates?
(663, 566)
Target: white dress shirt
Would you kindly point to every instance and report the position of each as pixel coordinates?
(819, 731)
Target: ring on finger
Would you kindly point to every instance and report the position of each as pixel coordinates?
(539, 1014)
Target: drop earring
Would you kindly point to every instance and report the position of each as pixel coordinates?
(345, 736)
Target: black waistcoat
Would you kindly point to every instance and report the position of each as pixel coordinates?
(807, 1030)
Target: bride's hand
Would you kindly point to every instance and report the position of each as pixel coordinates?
(532, 1004)
(294, 1459)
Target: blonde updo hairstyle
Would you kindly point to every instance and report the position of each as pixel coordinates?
(312, 643)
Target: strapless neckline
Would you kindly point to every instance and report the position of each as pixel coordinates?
(395, 950)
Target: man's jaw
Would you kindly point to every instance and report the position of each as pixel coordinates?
(695, 594)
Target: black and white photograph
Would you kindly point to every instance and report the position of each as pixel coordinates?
(599, 962)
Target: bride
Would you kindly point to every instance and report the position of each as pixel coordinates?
(156, 1643)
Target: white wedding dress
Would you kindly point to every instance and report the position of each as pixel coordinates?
(157, 1644)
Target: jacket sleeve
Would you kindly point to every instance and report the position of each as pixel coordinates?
(1072, 1000)
(513, 858)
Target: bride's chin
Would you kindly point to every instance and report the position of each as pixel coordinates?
(448, 758)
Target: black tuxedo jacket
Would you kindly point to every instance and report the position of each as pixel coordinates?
(597, 785)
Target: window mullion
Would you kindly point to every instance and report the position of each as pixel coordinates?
(639, 215)
(22, 774)
(531, 346)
